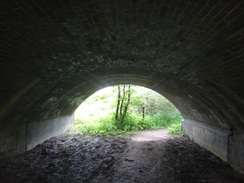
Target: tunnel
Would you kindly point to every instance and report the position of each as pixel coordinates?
(56, 53)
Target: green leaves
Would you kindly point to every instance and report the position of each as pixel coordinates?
(175, 128)
(108, 126)
(145, 110)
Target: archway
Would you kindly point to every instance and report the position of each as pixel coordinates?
(54, 55)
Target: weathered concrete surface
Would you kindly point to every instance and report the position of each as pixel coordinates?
(222, 142)
(213, 138)
(12, 140)
(19, 138)
(38, 132)
(236, 152)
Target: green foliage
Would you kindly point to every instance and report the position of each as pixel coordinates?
(175, 128)
(147, 110)
(108, 126)
(104, 126)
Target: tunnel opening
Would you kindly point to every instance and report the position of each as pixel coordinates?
(147, 156)
(54, 54)
(143, 109)
(52, 111)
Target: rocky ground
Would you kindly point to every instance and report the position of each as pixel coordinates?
(150, 156)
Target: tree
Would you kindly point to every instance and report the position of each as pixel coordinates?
(123, 102)
(146, 102)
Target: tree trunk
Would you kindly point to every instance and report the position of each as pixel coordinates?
(118, 104)
(143, 112)
(127, 104)
(122, 105)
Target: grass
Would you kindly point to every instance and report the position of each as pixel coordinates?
(108, 126)
(96, 115)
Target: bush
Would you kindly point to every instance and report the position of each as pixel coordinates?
(107, 126)
(175, 128)
(160, 113)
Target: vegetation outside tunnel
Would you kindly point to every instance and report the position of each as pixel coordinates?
(125, 108)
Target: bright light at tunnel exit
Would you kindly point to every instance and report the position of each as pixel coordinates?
(103, 102)
(94, 107)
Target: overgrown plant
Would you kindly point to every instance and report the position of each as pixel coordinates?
(127, 109)
(175, 128)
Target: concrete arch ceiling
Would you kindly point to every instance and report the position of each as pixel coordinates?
(56, 53)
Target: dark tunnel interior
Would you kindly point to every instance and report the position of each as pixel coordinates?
(55, 54)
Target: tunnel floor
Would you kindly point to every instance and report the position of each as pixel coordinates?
(150, 156)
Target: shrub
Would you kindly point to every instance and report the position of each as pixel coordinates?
(106, 126)
(160, 113)
(175, 128)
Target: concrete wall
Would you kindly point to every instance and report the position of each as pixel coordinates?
(12, 140)
(236, 152)
(17, 138)
(222, 142)
(38, 132)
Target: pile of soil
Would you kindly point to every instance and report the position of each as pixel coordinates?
(151, 156)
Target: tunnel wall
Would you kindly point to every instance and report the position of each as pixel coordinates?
(236, 152)
(18, 138)
(49, 114)
(38, 132)
(213, 138)
(195, 46)
(12, 140)
(220, 141)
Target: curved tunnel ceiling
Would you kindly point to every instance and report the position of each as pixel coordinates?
(56, 53)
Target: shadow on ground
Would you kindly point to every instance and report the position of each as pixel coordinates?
(102, 159)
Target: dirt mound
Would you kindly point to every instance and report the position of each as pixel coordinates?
(64, 159)
(150, 156)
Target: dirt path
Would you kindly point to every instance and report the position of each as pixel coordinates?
(142, 159)
(146, 157)
(155, 156)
